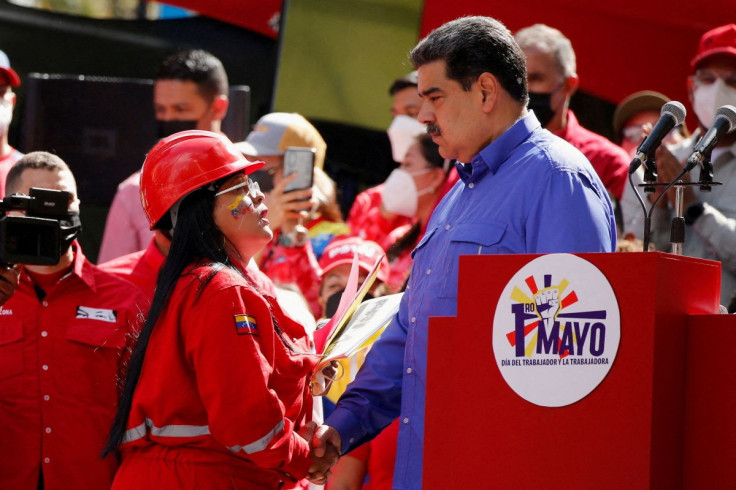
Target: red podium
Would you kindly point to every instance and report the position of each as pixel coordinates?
(629, 432)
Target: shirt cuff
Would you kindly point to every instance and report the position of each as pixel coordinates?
(347, 426)
(301, 458)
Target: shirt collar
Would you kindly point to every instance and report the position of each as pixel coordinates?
(572, 127)
(495, 154)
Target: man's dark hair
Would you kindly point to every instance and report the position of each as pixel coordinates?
(409, 80)
(198, 66)
(470, 46)
(35, 160)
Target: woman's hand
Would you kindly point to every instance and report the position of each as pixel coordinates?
(285, 208)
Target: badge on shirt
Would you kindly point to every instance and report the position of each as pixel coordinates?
(245, 325)
(101, 314)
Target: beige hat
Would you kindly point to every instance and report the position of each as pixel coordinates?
(278, 130)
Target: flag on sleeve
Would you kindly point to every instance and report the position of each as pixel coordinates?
(245, 325)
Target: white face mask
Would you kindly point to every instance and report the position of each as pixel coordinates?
(6, 115)
(402, 133)
(400, 195)
(708, 98)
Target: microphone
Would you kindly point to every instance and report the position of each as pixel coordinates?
(725, 122)
(673, 114)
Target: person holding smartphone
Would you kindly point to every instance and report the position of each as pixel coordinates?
(304, 213)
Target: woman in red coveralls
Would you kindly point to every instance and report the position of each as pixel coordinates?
(217, 392)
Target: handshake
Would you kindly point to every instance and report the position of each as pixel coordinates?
(324, 442)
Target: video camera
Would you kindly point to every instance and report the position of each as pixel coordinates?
(35, 237)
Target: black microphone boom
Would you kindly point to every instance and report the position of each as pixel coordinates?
(725, 122)
(673, 114)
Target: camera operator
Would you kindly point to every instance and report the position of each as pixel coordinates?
(65, 335)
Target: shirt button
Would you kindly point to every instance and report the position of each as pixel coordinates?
(408, 370)
(44, 334)
(46, 397)
(48, 430)
(447, 227)
(45, 303)
(46, 460)
(352, 440)
(413, 319)
(429, 271)
(45, 367)
(471, 185)
(406, 420)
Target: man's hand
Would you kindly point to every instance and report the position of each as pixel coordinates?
(9, 279)
(326, 443)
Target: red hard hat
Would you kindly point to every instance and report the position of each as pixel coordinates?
(184, 162)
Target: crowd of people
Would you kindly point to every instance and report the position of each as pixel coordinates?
(185, 359)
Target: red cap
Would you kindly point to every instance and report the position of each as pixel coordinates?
(340, 251)
(7, 71)
(721, 40)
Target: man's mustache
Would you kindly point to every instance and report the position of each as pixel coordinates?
(433, 130)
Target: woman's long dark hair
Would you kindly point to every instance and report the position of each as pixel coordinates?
(196, 237)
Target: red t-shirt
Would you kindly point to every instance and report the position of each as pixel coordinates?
(609, 160)
(379, 456)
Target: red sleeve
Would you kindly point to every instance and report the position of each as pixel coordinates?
(230, 343)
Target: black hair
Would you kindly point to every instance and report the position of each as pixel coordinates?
(198, 66)
(196, 237)
(36, 160)
(471, 46)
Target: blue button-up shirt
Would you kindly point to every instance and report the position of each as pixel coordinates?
(527, 192)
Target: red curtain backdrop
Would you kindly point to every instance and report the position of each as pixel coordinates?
(622, 46)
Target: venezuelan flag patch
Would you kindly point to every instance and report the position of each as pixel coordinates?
(245, 325)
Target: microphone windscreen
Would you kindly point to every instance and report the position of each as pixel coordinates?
(729, 112)
(676, 110)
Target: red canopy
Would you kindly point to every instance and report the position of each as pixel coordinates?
(261, 16)
(621, 46)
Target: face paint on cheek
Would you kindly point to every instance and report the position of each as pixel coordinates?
(239, 206)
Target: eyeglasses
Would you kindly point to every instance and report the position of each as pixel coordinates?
(709, 77)
(634, 134)
(253, 188)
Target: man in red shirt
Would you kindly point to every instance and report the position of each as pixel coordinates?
(552, 78)
(8, 155)
(65, 335)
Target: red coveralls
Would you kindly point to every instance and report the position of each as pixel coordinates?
(60, 361)
(220, 396)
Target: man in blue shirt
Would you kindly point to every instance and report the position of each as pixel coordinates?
(522, 190)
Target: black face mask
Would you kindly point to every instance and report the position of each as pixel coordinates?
(167, 128)
(540, 103)
(334, 301)
(71, 227)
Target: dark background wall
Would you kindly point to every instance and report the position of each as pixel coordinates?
(44, 42)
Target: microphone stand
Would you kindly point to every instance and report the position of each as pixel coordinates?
(677, 230)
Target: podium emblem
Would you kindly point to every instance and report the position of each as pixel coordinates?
(556, 330)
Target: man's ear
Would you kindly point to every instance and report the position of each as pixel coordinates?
(489, 87)
(571, 84)
(219, 107)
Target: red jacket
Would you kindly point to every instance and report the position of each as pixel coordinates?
(141, 268)
(220, 389)
(60, 358)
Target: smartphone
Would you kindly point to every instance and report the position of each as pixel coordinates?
(300, 161)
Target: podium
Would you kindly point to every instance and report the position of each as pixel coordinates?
(649, 423)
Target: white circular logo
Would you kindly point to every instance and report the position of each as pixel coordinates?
(556, 330)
